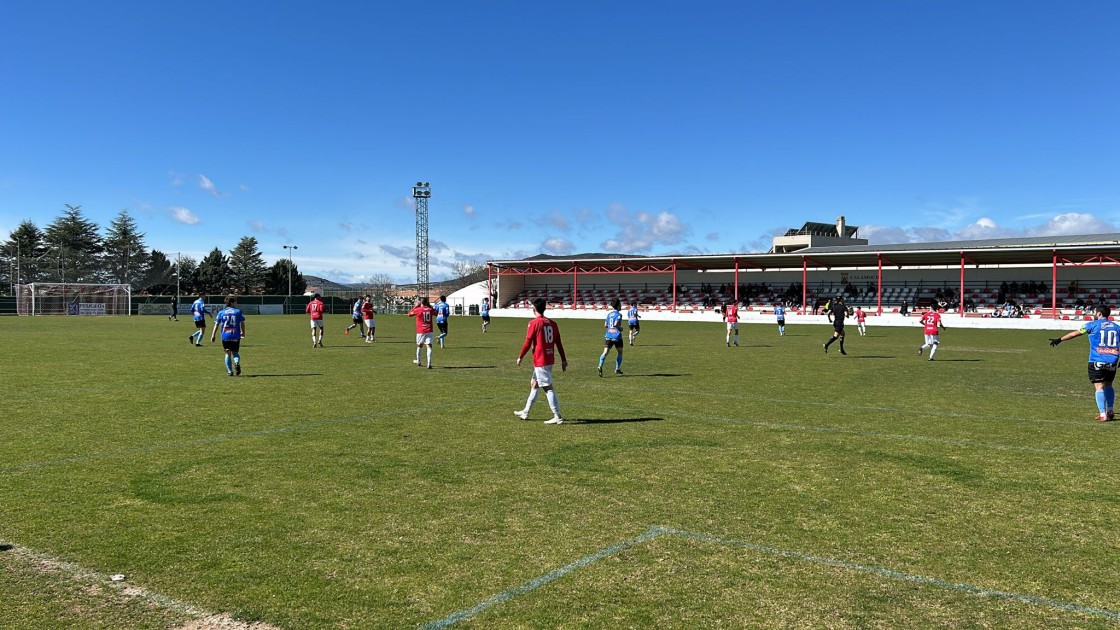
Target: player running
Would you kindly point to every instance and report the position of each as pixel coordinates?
(198, 312)
(837, 311)
(861, 317)
(632, 321)
(780, 313)
(543, 336)
(613, 337)
(484, 310)
(443, 313)
(731, 316)
(315, 310)
(356, 318)
(931, 321)
(232, 322)
(1104, 350)
(424, 314)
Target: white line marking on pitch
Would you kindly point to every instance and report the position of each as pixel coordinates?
(656, 531)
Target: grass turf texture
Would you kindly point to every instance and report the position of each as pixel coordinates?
(344, 487)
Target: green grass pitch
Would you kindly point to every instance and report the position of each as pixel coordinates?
(769, 485)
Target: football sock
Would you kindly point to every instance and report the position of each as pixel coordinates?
(532, 399)
(829, 342)
(736, 339)
(236, 359)
(618, 362)
(841, 344)
(1102, 401)
(429, 355)
(1109, 396)
(932, 350)
(417, 354)
(229, 364)
(602, 359)
(553, 402)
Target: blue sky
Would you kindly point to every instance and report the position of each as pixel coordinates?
(558, 127)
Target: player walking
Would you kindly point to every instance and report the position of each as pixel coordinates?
(861, 317)
(484, 310)
(931, 321)
(1104, 350)
(198, 312)
(780, 313)
(316, 310)
(369, 316)
(632, 321)
(356, 318)
(613, 337)
(543, 336)
(731, 316)
(424, 314)
(232, 323)
(837, 311)
(443, 312)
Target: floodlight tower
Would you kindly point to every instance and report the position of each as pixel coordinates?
(421, 192)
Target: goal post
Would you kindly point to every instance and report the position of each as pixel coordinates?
(56, 298)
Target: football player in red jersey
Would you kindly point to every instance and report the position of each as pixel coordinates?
(731, 316)
(931, 321)
(425, 315)
(543, 336)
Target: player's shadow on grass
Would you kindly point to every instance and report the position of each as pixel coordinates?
(280, 375)
(464, 367)
(661, 375)
(653, 345)
(872, 356)
(613, 420)
(957, 360)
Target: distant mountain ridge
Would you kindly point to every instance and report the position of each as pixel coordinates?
(323, 284)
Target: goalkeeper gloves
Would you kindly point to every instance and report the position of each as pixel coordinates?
(1054, 342)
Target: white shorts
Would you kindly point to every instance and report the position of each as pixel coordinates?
(423, 339)
(543, 376)
(316, 323)
(371, 323)
(732, 325)
(932, 339)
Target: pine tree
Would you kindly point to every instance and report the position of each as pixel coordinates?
(76, 248)
(277, 283)
(213, 277)
(23, 253)
(126, 259)
(247, 269)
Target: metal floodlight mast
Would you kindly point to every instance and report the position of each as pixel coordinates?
(421, 192)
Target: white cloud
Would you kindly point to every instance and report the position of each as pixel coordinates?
(176, 179)
(468, 210)
(257, 226)
(243, 187)
(642, 231)
(207, 185)
(558, 247)
(1073, 223)
(183, 215)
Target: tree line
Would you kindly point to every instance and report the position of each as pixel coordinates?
(73, 249)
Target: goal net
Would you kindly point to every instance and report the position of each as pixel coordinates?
(49, 298)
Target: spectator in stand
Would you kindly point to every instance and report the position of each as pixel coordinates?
(904, 310)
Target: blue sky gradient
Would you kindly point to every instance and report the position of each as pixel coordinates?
(631, 127)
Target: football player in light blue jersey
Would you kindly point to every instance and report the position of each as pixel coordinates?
(613, 337)
(443, 313)
(232, 323)
(1104, 352)
(484, 311)
(780, 313)
(632, 321)
(356, 318)
(198, 312)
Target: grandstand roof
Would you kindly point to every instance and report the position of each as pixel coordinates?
(1003, 251)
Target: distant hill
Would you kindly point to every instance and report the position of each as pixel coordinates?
(322, 284)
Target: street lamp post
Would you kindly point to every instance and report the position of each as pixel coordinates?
(290, 248)
(178, 267)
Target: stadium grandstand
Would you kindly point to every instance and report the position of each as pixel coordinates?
(1052, 277)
